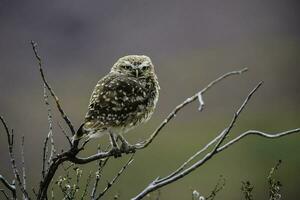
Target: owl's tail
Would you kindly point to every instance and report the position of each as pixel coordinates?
(81, 132)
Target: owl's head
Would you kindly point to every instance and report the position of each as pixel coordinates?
(134, 65)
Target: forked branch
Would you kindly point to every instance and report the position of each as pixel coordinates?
(11, 187)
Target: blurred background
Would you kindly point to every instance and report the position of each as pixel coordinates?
(191, 43)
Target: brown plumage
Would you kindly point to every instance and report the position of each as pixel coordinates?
(123, 99)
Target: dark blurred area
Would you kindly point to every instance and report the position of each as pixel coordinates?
(191, 43)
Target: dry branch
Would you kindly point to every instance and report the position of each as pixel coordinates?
(181, 172)
(110, 184)
(10, 140)
(64, 116)
(11, 187)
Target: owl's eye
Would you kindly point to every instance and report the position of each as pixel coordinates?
(145, 67)
(127, 67)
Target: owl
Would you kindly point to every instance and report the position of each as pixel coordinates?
(123, 99)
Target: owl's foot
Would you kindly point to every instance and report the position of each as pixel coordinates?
(116, 152)
(115, 148)
(128, 148)
(125, 146)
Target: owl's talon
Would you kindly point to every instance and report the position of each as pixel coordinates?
(127, 148)
(116, 152)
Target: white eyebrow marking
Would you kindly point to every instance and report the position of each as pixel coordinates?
(127, 62)
(145, 63)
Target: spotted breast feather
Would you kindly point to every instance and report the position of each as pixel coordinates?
(120, 101)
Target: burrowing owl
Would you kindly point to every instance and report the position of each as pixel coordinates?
(121, 100)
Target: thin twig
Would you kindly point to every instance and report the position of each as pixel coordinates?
(218, 187)
(258, 133)
(50, 133)
(44, 156)
(94, 190)
(110, 184)
(34, 192)
(65, 134)
(101, 165)
(4, 193)
(88, 181)
(23, 164)
(185, 103)
(235, 117)
(52, 193)
(10, 139)
(64, 116)
(9, 186)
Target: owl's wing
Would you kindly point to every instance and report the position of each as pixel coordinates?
(114, 99)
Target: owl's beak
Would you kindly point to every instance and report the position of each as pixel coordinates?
(137, 73)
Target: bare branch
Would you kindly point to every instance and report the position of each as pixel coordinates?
(65, 134)
(110, 184)
(258, 133)
(235, 117)
(185, 103)
(9, 186)
(44, 156)
(10, 138)
(4, 193)
(158, 183)
(219, 138)
(23, 164)
(64, 116)
(218, 187)
(88, 181)
(50, 133)
(101, 165)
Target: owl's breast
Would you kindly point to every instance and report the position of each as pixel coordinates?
(123, 102)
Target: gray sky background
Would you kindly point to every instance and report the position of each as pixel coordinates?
(191, 42)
